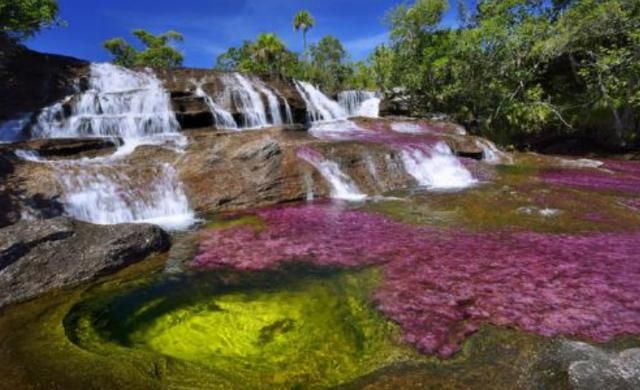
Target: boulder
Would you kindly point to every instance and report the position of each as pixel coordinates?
(42, 255)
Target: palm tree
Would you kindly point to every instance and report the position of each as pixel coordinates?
(305, 22)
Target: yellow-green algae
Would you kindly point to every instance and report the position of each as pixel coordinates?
(276, 329)
(74, 340)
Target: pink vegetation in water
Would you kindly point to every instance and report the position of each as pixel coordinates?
(614, 175)
(440, 286)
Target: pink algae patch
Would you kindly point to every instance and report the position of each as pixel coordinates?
(614, 175)
(440, 286)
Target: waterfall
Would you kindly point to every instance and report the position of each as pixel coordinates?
(287, 110)
(102, 194)
(360, 103)
(246, 100)
(119, 103)
(342, 186)
(436, 167)
(491, 153)
(274, 104)
(319, 106)
(222, 118)
(107, 190)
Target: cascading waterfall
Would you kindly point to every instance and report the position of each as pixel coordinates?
(246, 101)
(436, 167)
(102, 194)
(360, 103)
(134, 107)
(245, 94)
(342, 186)
(222, 118)
(274, 104)
(119, 103)
(319, 106)
(287, 111)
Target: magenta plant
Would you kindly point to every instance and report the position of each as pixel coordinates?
(442, 285)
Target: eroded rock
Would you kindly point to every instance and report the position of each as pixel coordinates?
(42, 255)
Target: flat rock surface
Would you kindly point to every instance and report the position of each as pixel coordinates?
(38, 256)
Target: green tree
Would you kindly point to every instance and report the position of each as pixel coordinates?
(21, 19)
(304, 21)
(382, 63)
(157, 51)
(267, 55)
(519, 68)
(329, 69)
(361, 77)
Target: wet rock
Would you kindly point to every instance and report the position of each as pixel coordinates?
(67, 148)
(191, 111)
(31, 80)
(395, 103)
(589, 367)
(39, 256)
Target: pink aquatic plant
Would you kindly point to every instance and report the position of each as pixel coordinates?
(614, 175)
(440, 286)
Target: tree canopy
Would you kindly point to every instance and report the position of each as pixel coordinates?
(21, 19)
(517, 68)
(158, 51)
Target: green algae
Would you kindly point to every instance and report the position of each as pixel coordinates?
(297, 328)
(287, 328)
(234, 221)
(516, 200)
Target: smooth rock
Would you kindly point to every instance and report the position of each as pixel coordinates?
(39, 256)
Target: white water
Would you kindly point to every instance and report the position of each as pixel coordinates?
(287, 110)
(342, 186)
(360, 103)
(319, 106)
(222, 118)
(102, 194)
(491, 153)
(274, 104)
(336, 130)
(406, 128)
(436, 168)
(246, 100)
(119, 103)
(105, 190)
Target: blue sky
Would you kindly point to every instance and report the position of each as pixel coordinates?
(212, 26)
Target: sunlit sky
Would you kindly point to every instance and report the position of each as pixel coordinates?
(212, 26)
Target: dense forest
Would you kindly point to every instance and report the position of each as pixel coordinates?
(513, 70)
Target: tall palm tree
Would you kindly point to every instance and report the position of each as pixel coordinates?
(305, 22)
